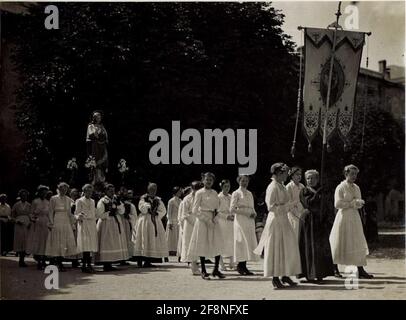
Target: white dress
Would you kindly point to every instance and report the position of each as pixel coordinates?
(21, 213)
(226, 226)
(87, 231)
(245, 239)
(129, 221)
(187, 220)
(296, 207)
(172, 235)
(278, 240)
(112, 245)
(347, 240)
(38, 232)
(206, 240)
(150, 241)
(61, 240)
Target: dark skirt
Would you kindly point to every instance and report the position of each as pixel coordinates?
(314, 246)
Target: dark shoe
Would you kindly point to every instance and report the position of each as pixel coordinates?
(248, 273)
(217, 273)
(148, 265)
(277, 283)
(109, 268)
(241, 271)
(289, 281)
(337, 274)
(364, 275)
(205, 276)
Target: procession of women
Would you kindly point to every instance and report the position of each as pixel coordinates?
(298, 243)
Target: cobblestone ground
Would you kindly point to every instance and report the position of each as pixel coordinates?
(174, 281)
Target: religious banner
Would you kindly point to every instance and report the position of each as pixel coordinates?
(347, 57)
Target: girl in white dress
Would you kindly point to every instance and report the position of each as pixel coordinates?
(38, 233)
(172, 227)
(294, 187)
(347, 240)
(112, 245)
(206, 238)
(245, 239)
(226, 223)
(20, 214)
(85, 214)
(61, 241)
(150, 240)
(187, 220)
(278, 240)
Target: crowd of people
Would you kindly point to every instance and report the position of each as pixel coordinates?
(296, 236)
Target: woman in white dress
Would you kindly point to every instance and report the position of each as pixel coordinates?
(85, 214)
(129, 221)
(150, 240)
(347, 240)
(61, 241)
(278, 240)
(206, 240)
(20, 214)
(245, 239)
(38, 233)
(294, 187)
(112, 246)
(226, 223)
(187, 220)
(172, 227)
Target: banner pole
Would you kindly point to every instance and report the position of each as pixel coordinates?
(324, 146)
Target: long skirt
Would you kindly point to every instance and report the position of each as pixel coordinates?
(172, 237)
(179, 249)
(87, 235)
(110, 235)
(347, 240)
(37, 236)
(186, 237)
(206, 240)
(61, 240)
(245, 239)
(7, 235)
(21, 234)
(227, 232)
(295, 223)
(128, 232)
(147, 244)
(281, 250)
(315, 253)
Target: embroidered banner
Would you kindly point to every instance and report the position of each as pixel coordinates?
(318, 49)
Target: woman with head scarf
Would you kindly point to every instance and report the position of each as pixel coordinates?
(150, 239)
(315, 253)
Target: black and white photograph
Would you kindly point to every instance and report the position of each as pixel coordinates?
(202, 150)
